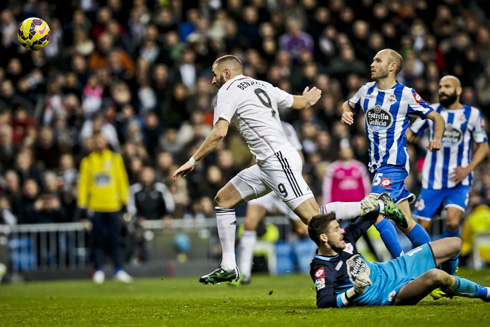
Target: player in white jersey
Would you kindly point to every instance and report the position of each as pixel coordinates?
(387, 106)
(258, 208)
(252, 105)
(447, 174)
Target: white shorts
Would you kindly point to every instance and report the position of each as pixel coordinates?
(280, 173)
(271, 202)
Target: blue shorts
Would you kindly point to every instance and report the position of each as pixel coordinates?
(389, 277)
(430, 200)
(391, 179)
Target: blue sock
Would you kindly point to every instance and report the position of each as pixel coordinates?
(451, 265)
(388, 234)
(418, 236)
(467, 288)
(448, 233)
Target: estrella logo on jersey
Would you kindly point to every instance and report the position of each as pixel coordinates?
(386, 182)
(417, 97)
(320, 273)
(355, 266)
(378, 119)
(452, 136)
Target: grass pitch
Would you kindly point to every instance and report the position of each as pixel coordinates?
(268, 301)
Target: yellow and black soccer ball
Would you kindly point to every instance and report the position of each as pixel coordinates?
(34, 33)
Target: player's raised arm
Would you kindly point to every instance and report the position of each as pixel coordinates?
(219, 131)
(439, 127)
(309, 98)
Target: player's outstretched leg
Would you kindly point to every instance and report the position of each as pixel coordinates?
(351, 210)
(418, 288)
(390, 210)
(220, 275)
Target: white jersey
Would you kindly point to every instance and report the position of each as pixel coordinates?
(291, 135)
(463, 127)
(252, 105)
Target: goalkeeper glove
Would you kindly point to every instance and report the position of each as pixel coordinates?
(362, 280)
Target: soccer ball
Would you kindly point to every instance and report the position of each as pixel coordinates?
(34, 33)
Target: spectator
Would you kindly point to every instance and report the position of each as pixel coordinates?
(46, 149)
(26, 169)
(25, 206)
(99, 125)
(47, 209)
(346, 180)
(149, 200)
(6, 215)
(12, 187)
(8, 150)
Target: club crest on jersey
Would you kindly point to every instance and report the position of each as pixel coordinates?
(452, 136)
(392, 99)
(320, 273)
(378, 119)
(355, 266)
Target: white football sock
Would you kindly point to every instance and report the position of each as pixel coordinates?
(247, 244)
(226, 222)
(343, 210)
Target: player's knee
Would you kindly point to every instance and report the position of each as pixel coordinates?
(452, 225)
(219, 201)
(250, 224)
(425, 224)
(438, 277)
(456, 244)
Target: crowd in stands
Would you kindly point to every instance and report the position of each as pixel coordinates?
(139, 72)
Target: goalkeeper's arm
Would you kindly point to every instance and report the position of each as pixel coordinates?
(354, 292)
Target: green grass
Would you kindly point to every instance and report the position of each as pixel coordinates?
(271, 301)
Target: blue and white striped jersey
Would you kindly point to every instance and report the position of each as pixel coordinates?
(463, 126)
(386, 119)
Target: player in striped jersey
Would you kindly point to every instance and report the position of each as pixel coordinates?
(252, 105)
(447, 175)
(387, 106)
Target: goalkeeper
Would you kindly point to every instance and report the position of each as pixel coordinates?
(343, 277)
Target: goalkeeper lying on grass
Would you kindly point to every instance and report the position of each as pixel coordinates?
(343, 277)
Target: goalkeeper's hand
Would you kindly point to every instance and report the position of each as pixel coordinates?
(362, 280)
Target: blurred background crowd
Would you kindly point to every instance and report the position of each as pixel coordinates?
(139, 72)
